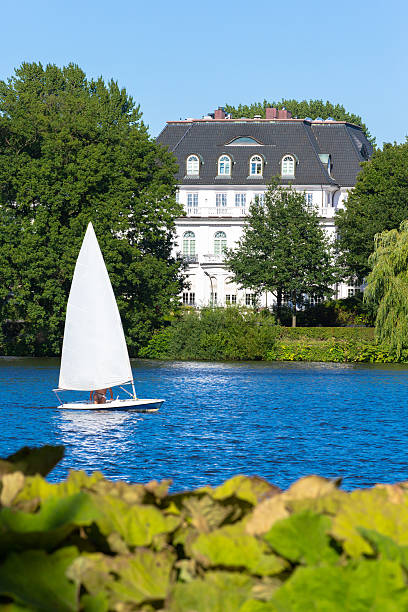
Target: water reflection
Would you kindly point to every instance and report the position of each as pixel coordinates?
(280, 421)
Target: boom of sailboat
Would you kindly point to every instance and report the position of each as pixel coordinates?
(94, 351)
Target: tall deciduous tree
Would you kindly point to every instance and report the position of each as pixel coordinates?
(74, 150)
(378, 202)
(283, 249)
(387, 287)
(301, 109)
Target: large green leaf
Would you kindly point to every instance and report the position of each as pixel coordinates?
(370, 509)
(140, 577)
(311, 487)
(303, 538)
(251, 489)
(385, 547)
(56, 518)
(205, 513)
(38, 487)
(254, 605)
(11, 485)
(230, 546)
(144, 576)
(217, 592)
(328, 503)
(265, 514)
(368, 586)
(32, 460)
(37, 579)
(136, 524)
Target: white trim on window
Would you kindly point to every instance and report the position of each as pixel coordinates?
(220, 242)
(224, 165)
(189, 243)
(255, 166)
(288, 166)
(193, 165)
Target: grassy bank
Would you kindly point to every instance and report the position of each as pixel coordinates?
(236, 334)
(328, 344)
(92, 545)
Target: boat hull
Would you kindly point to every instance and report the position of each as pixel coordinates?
(137, 405)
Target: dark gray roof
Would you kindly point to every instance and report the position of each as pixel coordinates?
(346, 144)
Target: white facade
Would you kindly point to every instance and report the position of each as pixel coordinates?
(198, 238)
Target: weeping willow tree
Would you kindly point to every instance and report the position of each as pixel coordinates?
(387, 287)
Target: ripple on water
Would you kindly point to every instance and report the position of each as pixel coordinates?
(280, 421)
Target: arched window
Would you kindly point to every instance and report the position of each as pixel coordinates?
(255, 166)
(224, 165)
(189, 243)
(193, 165)
(220, 243)
(288, 166)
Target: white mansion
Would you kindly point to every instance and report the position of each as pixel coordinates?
(225, 163)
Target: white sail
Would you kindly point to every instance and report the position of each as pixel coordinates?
(94, 352)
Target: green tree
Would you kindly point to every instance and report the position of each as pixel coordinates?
(301, 109)
(378, 202)
(387, 288)
(283, 249)
(74, 150)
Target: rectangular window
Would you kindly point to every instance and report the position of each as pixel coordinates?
(309, 198)
(233, 299)
(192, 203)
(350, 292)
(228, 299)
(249, 299)
(240, 199)
(178, 196)
(221, 200)
(213, 298)
(261, 198)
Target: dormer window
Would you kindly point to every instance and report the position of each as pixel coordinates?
(224, 166)
(244, 141)
(288, 166)
(193, 165)
(255, 166)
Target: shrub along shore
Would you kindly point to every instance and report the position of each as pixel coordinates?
(92, 545)
(236, 334)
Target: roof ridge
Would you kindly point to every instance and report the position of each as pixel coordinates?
(183, 136)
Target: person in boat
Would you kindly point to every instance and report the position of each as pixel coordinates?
(99, 396)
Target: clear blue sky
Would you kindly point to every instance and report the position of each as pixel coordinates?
(183, 59)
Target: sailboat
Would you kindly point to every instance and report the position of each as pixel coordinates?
(94, 352)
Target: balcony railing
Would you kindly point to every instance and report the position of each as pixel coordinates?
(216, 211)
(213, 258)
(190, 259)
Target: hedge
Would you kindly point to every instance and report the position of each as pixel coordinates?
(358, 334)
(93, 545)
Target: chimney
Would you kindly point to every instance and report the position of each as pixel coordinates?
(271, 113)
(284, 114)
(219, 113)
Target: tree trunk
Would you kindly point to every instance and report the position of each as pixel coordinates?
(294, 310)
(278, 305)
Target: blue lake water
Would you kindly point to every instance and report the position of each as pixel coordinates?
(279, 420)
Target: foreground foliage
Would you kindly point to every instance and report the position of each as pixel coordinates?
(245, 546)
(74, 150)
